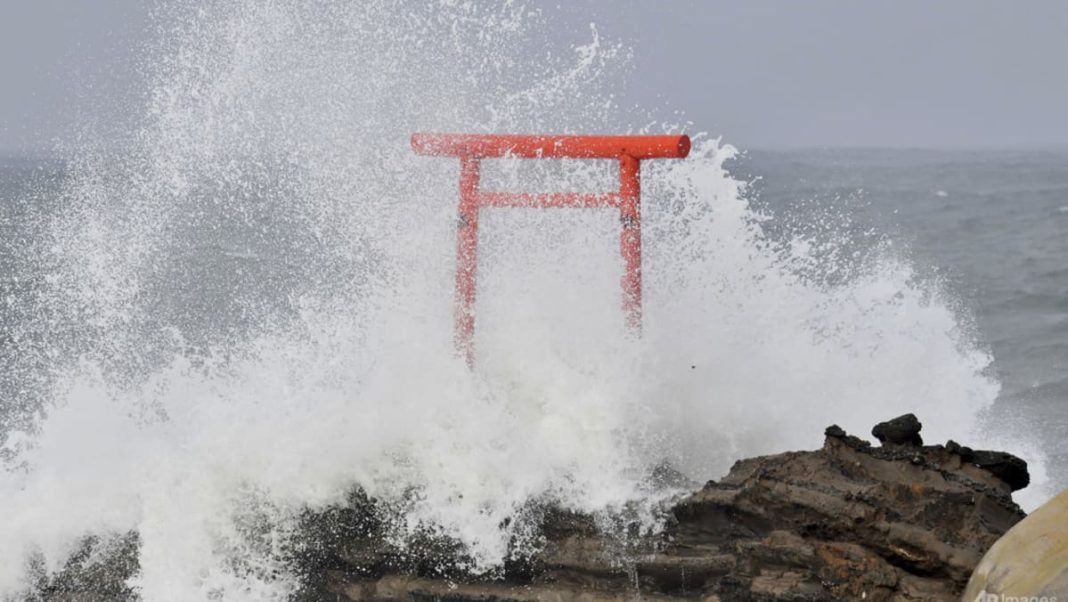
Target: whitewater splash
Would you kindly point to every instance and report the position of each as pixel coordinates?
(247, 312)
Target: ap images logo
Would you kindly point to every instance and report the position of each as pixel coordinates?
(985, 597)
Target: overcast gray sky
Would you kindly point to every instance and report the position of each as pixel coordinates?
(62, 62)
(763, 74)
(868, 73)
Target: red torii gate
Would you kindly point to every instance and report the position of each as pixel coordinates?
(472, 148)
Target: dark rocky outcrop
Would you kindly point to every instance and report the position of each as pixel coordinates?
(848, 521)
(1007, 467)
(903, 430)
(98, 571)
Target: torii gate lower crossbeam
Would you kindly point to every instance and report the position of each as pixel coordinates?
(472, 148)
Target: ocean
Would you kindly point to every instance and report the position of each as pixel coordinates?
(991, 226)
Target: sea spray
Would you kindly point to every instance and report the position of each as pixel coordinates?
(247, 312)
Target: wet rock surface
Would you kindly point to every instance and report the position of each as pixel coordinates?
(903, 430)
(849, 521)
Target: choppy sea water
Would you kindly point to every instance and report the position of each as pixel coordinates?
(990, 226)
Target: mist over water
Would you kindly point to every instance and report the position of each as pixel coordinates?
(247, 312)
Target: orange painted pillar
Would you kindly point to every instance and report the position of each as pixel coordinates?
(630, 239)
(467, 258)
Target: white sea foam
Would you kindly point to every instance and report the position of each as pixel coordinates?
(259, 110)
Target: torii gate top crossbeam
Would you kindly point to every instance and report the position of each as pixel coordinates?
(484, 146)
